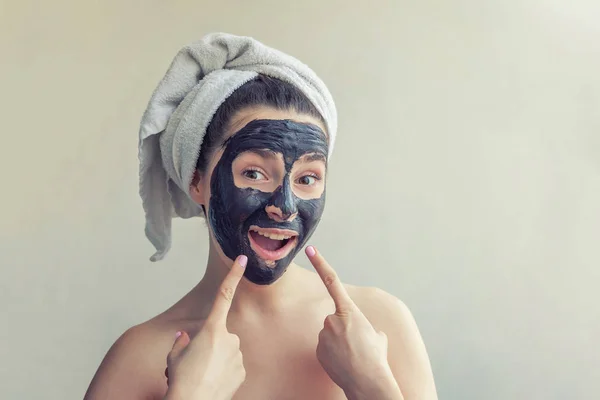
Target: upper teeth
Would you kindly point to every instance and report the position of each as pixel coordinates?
(273, 235)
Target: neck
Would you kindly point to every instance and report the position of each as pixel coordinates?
(248, 296)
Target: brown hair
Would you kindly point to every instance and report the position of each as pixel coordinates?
(261, 91)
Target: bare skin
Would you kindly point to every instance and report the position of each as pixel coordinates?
(278, 326)
(278, 342)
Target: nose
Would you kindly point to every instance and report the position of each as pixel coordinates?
(282, 205)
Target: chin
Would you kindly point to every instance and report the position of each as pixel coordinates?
(260, 273)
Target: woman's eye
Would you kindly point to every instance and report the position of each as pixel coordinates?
(253, 175)
(307, 180)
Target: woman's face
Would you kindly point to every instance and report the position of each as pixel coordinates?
(264, 191)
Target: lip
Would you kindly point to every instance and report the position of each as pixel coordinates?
(275, 231)
(274, 255)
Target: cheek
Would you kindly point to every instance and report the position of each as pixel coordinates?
(311, 210)
(252, 199)
(244, 202)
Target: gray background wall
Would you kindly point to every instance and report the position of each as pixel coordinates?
(466, 180)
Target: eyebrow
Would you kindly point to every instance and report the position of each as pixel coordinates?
(264, 153)
(313, 157)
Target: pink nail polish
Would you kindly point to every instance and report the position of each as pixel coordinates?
(177, 334)
(310, 251)
(243, 260)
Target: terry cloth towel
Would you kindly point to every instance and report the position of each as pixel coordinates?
(200, 78)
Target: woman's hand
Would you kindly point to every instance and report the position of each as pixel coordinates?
(351, 351)
(209, 366)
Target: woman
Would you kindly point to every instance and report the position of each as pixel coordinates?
(251, 156)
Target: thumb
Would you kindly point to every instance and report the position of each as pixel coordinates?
(181, 341)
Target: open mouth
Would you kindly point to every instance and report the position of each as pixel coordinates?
(272, 244)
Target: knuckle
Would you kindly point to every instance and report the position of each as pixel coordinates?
(329, 279)
(239, 364)
(170, 358)
(235, 339)
(322, 338)
(227, 293)
(343, 311)
(321, 354)
(383, 336)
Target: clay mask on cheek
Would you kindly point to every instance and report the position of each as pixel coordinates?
(238, 216)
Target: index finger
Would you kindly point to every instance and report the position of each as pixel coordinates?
(227, 289)
(332, 282)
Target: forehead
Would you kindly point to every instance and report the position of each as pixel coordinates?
(231, 146)
(291, 139)
(246, 115)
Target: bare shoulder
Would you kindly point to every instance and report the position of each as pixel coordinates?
(133, 367)
(407, 354)
(379, 305)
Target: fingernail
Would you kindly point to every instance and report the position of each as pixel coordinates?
(177, 334)
(310, 251)
(243, 260)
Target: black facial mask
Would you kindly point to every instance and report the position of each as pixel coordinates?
(234, 210)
